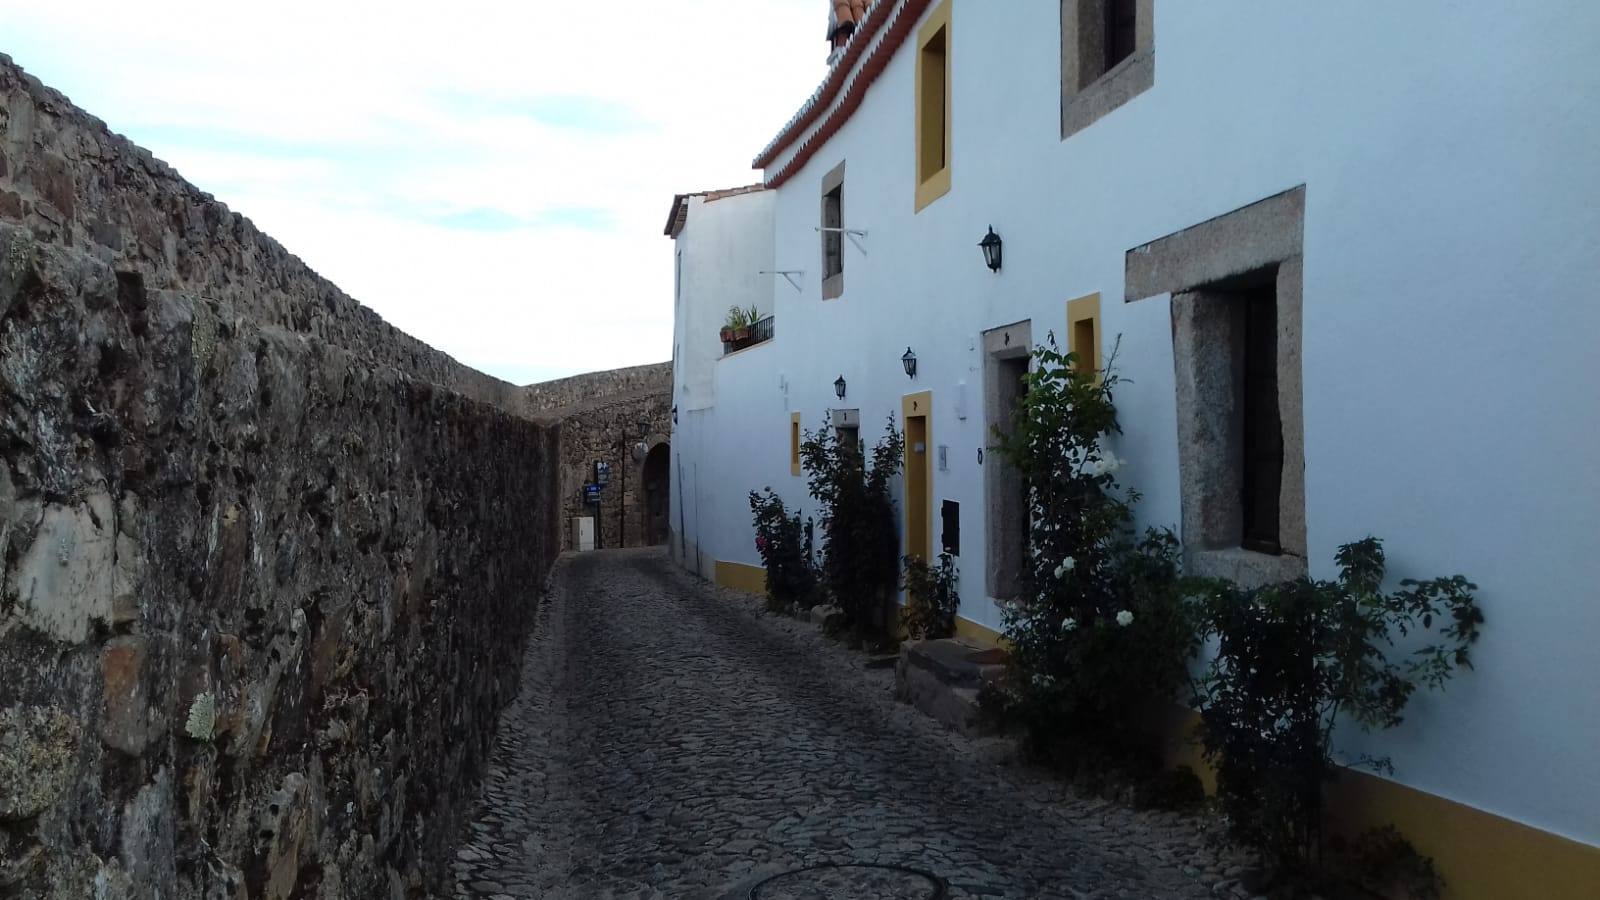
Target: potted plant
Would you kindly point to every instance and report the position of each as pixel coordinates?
(741, 324)
(730, 329)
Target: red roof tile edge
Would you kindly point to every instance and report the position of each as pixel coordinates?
(899, 29)
(835, 81)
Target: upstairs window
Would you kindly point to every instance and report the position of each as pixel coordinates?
(933, 107)
(1107, 58)
(833, 233)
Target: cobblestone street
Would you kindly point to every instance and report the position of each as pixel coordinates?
(672, 741)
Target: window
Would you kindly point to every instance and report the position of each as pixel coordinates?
(1107, 58)
(1083, 331)
(833, 233)
(794, 443)
(1236, 361)
(1005, 369)
(933, 107)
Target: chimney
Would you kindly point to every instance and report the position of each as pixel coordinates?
(843, 15)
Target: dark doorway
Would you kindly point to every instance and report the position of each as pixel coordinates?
(657, 494)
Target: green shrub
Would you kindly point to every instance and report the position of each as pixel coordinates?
(860, 536)
(781, 541)
(933, 598)
(1293, 660)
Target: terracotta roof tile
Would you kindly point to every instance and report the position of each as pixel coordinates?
(846, 82)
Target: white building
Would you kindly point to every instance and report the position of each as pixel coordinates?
(1385, 213)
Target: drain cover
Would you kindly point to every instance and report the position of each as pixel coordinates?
(856, 882)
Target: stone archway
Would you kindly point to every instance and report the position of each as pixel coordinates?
(656, 498)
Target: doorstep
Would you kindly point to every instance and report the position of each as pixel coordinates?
(943, 679)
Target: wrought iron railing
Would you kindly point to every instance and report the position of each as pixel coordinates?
(759, 333)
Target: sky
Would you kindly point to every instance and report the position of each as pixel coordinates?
(492, 177)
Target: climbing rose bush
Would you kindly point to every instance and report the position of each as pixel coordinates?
(1100, 636)
(781, 542)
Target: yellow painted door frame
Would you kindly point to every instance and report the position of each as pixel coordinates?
(916, 411)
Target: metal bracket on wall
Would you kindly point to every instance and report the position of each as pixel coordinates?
(788, 275)
(851, 233)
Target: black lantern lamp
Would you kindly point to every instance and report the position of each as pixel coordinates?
(838, 387)
(910, 362)
(991, 250)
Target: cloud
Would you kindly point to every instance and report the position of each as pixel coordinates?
(490, 177)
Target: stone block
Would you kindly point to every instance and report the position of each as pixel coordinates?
(63, 582)
(829, 617)
(37, 750)
(943, 679)
(127, 721)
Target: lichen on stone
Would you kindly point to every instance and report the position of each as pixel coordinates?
(37, 746)
(202, 721)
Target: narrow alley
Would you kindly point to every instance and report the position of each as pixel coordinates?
(670, 740)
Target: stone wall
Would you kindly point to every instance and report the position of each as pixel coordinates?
(557, 397)
(197, 510)
(73, 182)
(266, 565)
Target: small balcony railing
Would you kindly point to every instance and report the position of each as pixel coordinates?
(758, 333)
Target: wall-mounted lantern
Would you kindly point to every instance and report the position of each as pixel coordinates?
(991, 250)
(838, 387)
(910, 362)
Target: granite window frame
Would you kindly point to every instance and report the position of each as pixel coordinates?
(1090, 88)
(833, 240)
(1211, 270)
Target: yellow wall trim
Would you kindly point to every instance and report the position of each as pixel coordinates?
(933, 182)
(1083, 314)
(1481, 856)
(919, 484)
(741, 577)
(982, 635)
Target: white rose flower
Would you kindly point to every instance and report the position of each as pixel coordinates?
(1069, 624)
(1124, 618)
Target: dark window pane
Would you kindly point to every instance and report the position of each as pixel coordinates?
(1263, 431)
(1121, 31)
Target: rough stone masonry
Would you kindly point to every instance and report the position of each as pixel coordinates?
(266, 563)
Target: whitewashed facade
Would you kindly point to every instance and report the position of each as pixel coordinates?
(1449, 157)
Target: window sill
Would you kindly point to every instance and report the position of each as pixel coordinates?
(1246, 568)
(833, 287)
(1127, 80)
(936, 186)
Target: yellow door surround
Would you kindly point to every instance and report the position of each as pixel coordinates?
(916, 410)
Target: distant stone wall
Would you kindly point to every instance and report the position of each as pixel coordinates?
(587, 389)
(73, 182)
(611, 431)
(266, 563)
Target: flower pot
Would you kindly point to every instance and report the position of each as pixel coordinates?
(726, 334)
(742, 333)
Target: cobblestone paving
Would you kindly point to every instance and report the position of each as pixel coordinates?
(672, 741)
